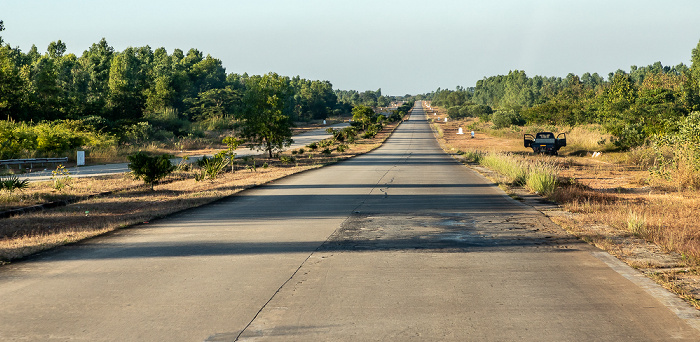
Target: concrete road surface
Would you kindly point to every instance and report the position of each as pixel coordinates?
(400, 244)
(300, 140)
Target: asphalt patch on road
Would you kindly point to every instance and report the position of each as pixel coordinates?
(447, 232)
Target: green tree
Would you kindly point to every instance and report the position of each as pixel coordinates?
(126, 86)
(695, 63)
(56, 49)
(363, 116)
(215, 103)
(14, 88)
(265, 121)
(95, 65)
(150, 169)
(47, 95)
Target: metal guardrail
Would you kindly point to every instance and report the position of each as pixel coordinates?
(32, 161)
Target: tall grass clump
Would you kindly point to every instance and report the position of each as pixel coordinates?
(542, 178)
(438, 130)
(636, 224)
(539, 177)
(513, 169)
(473, 156)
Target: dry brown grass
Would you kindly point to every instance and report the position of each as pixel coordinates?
(617, 204)
(130, 202)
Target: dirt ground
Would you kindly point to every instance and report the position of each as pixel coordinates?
(622, 187)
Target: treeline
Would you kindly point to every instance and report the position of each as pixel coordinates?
(105, 85)
(644, 104)
(369, 98)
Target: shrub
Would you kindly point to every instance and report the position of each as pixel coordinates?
(12, 183)
(138, 133)
(480, 111)
(61, 177)
(372, 131)
(150, 169)
(503, 119)
(453, 112)
(287, 159)
(212, 167)
(167, 119)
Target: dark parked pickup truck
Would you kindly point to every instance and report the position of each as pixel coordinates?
(545, 142)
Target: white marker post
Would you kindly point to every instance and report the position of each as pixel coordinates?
(460, 131)
(80, 158)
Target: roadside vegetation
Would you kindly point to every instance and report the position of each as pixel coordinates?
(146, 106)
(86, 207)
(630, 172)
(617, 204)
(638, 202)
(112, 104)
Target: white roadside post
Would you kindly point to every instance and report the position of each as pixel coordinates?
(80, 158)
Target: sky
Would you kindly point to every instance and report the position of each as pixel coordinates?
(402, 47)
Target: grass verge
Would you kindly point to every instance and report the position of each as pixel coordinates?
(634, 205)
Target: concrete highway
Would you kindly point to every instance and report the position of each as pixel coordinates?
(399, 244)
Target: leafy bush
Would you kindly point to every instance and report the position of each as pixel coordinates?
(345, 134)
(212, 167)
(364, 116)
(674, 158)
(150, 169)
(138, 133)
(61, 177)
(23, 140)
(372, 131)
(168, 120)
(480, 111)
(507, 118)
(287, 159)
(627, 134)
(453, 112)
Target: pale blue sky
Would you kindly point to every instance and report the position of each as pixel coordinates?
(400, 46)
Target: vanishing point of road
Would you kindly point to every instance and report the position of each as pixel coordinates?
(403, 243)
